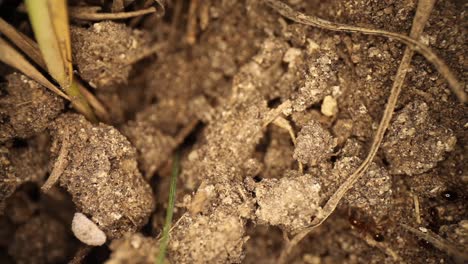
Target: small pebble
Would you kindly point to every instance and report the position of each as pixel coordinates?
(329, 106)
(87, 231)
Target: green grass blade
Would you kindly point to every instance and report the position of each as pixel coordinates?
(51, 30)
(169, 212)
(49, 20)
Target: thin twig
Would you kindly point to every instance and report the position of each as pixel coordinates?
(185, 131)
(417, 211)
(155, 48)
(160, 13)
(176, 17)
(422, 14)
(204, 14)
(83, 13)
(274, 113)
(60, 165)
(438, 242)
(80, 254)
(191, 35)
(411, 42)
(380, 245)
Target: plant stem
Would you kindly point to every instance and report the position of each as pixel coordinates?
(79, 102)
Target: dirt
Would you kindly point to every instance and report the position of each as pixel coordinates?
(26, 108)
(101, 174)
(270, 117)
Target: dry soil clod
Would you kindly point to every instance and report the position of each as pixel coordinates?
(102, 175)
(415, 142)
(314, 144)
(27, 109)
(103, 51)
(290, 202)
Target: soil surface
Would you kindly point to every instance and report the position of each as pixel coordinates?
(270, 117)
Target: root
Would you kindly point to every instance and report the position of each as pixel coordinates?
(411, 42)
(274, 113)
(157, 48)
(384, 247)
(81, 254)
(422, 14)
(90, 13)
(284, 124)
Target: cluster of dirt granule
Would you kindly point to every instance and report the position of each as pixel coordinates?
(245, 184)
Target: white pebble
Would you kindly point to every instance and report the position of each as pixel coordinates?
(87, 231)
(329, 106)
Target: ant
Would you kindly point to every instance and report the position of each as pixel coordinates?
(364, 224)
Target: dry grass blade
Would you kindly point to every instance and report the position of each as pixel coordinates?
(24, 43)
(99, 109)
(438, 63)
(422, 15)
(30, 48)
(49, 20)
(90, 13)
(13, 58)
(439, 243)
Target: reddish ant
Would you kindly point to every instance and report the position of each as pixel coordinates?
(364, 224)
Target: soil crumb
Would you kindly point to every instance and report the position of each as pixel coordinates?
(314, 144)
(290, 202)
(415, 142)
(133, 248)
(215, 238)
